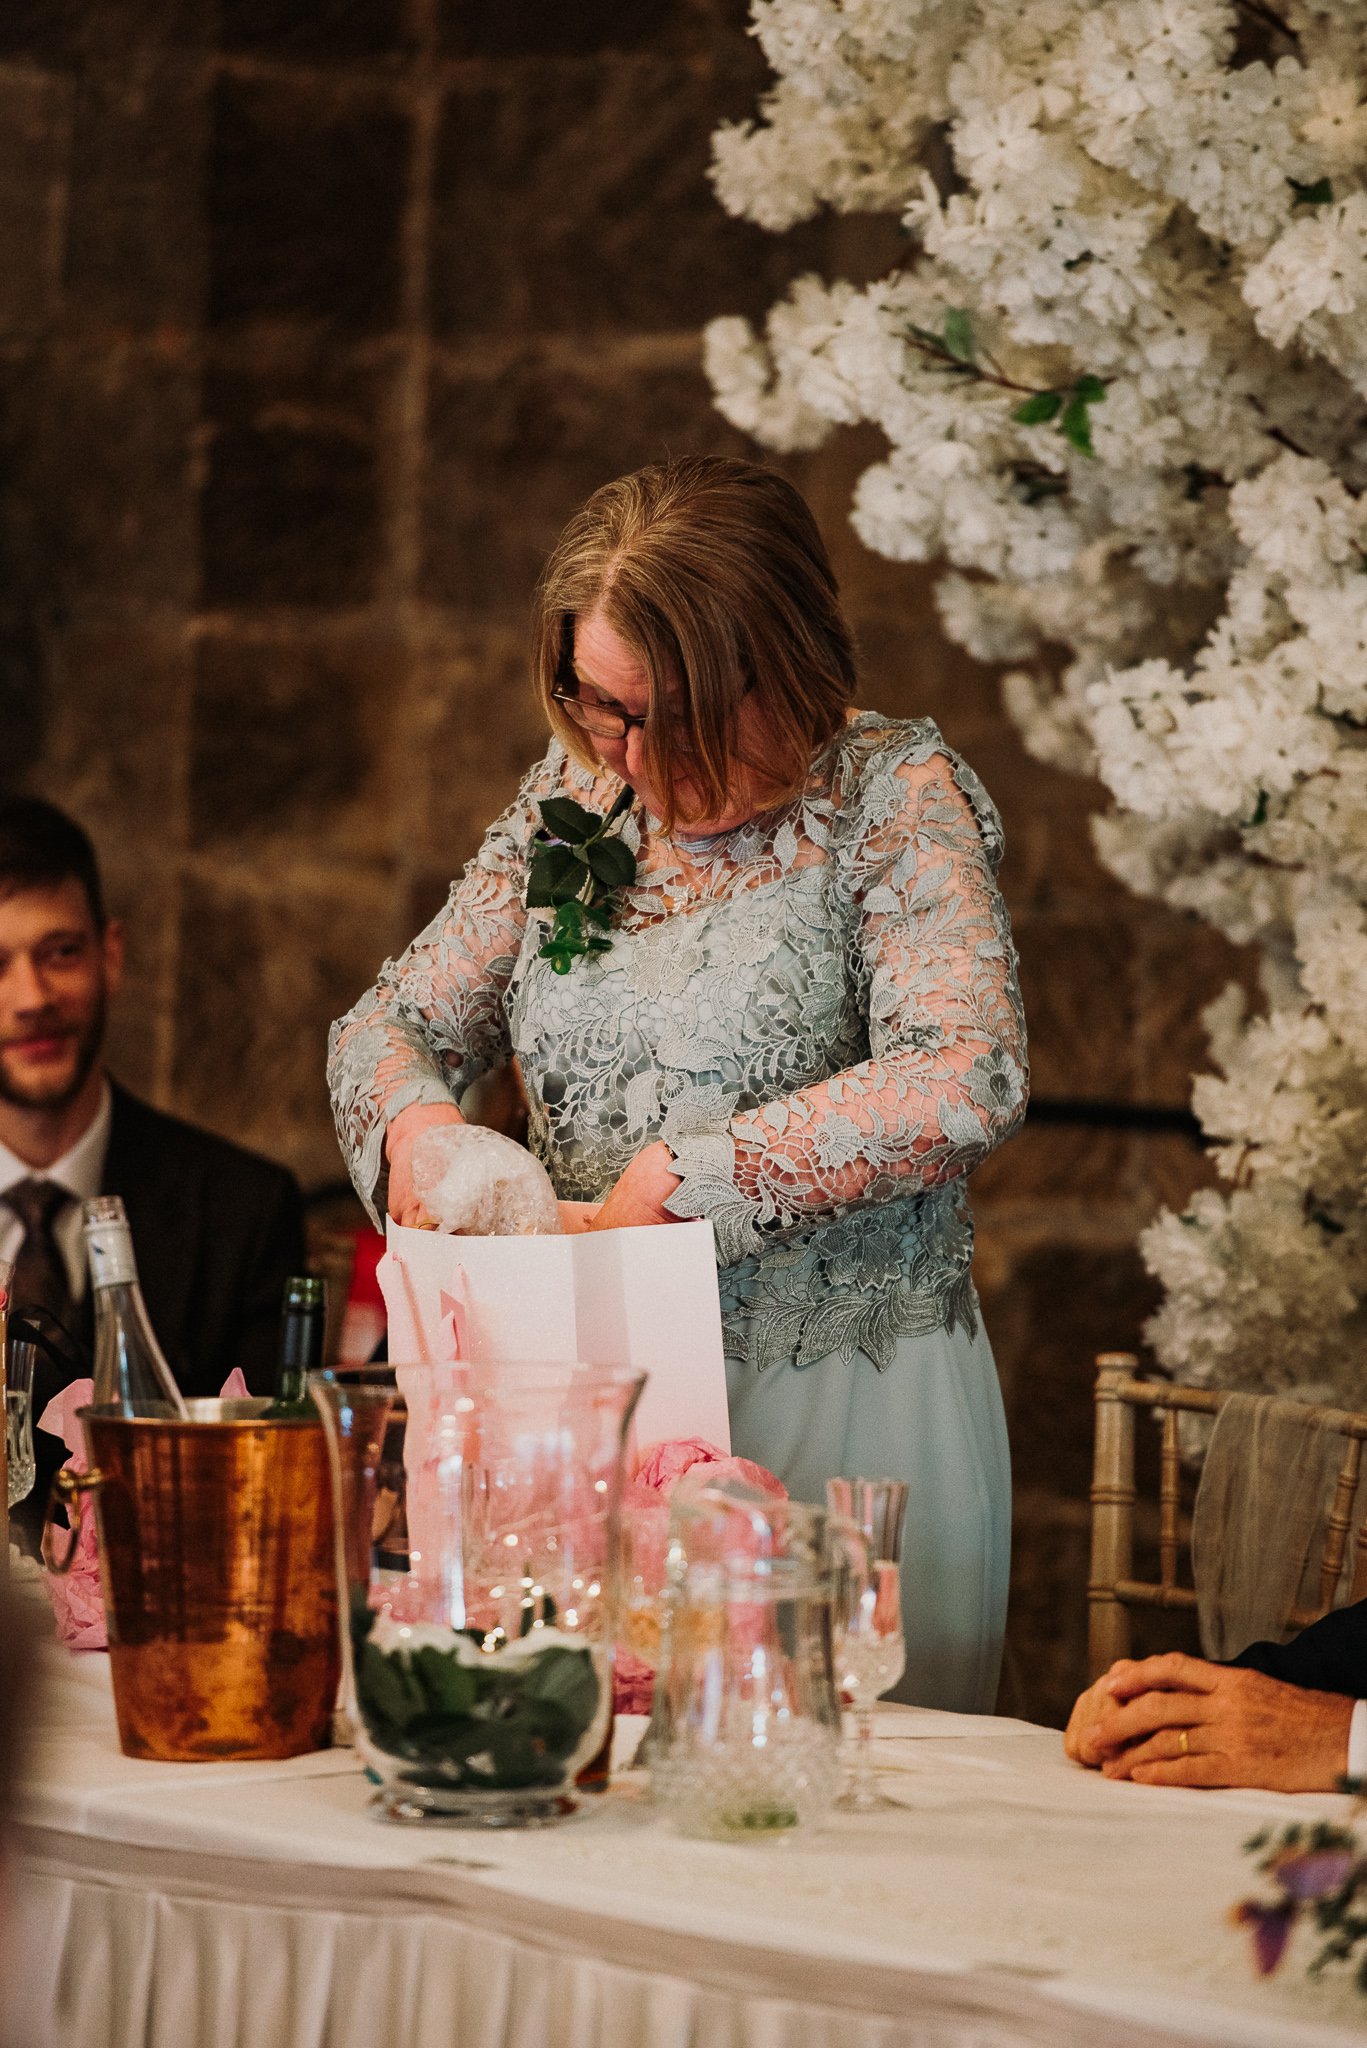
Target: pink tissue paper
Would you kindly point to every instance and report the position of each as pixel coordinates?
(77, 1601)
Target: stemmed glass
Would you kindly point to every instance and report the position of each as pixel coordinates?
(19, 1466)
(869, 1645)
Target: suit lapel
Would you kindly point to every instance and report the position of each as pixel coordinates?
(163, 1205)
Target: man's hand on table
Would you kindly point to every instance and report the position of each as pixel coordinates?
(1240, 1727)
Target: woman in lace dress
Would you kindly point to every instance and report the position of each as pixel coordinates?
(806, 1025)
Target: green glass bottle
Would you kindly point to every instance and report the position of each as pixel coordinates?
(302, 1323)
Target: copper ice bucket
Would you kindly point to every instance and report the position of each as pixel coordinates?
(219, 1579)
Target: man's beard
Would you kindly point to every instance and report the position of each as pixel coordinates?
(89, 1039)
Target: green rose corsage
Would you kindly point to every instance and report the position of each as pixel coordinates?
(578, 865)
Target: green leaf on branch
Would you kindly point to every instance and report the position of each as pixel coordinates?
(958, 335)
(1039, 409)
(1071, 410)
(1321, 193)
(1075, 423)
(1259, 812)
(1076, 427)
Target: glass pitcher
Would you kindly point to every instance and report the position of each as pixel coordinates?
(477, 1515)
(745, 1738)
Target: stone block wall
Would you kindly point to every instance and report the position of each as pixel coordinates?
(317, 318)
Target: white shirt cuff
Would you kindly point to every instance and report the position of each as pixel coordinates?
(1357, 1741)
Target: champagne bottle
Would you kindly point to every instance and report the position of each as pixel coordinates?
(301, 1347)
(131, 1373)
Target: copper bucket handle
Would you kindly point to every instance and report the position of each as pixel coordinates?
(67, 1489)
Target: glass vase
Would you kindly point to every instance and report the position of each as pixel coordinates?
(745, 1736)
(477, 1510)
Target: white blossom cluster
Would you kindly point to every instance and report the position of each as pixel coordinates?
(1122, 377)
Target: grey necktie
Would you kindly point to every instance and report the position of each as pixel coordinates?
(40, 1274)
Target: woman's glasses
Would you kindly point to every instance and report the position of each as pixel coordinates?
(604, 721)
(609, 721)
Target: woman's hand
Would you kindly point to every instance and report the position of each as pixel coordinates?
(404, 1131)
(641, 1193)
(577, 1216)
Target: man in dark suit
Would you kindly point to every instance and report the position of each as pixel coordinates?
(1284, 1717)
(216, 1230)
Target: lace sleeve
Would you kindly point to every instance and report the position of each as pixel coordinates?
(434, 1021)
(946, 1080)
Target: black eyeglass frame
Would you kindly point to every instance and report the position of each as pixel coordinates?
(627, 720)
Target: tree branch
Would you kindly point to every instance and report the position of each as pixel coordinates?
(974, 368)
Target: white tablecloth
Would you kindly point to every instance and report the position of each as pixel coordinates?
(1011, 1899)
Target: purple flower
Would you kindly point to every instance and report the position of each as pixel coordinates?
(1308, 1874)
(1271, 1926)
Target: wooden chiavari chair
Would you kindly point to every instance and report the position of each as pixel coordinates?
(1113, 1591)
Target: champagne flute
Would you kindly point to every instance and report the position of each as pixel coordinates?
(18, 1384)
(869, 1644)
(19, 1466)
(6, 1284)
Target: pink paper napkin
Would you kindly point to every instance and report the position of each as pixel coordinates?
(660, 1468)
(77, 1600)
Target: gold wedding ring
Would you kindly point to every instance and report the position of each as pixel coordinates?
(1183, 1742)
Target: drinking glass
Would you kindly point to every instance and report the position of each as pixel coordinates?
(869, 1645)
(19, 1420)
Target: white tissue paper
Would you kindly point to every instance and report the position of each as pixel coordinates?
(477, 1183)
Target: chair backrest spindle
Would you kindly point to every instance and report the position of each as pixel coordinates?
(1169, 1500)
(1340, 1520)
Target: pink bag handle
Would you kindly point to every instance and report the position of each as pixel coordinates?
(455, 1311)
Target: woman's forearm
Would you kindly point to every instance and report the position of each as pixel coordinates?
(883, 1129)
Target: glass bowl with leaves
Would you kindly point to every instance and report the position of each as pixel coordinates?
(477, 1538)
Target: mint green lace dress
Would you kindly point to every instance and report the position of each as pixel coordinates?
(819, 1014)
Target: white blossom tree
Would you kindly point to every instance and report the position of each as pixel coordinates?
(1122, 375)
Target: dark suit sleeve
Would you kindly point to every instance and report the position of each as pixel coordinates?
(1329, 1656)
(275, 1252)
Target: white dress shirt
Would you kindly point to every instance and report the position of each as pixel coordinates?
(79, 1170)
(1357, 1742)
